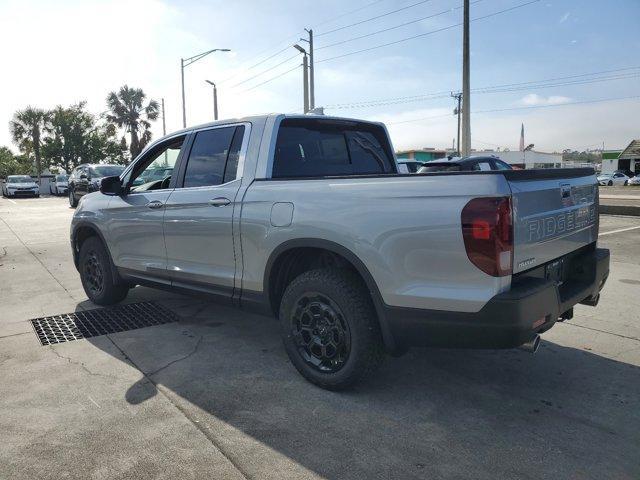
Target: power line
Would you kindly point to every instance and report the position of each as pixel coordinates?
(373, 18)
(265, 71)
(426, 33)
(493, 110)
(290, 40)
(347, 13)
(509, 87)
(443, 12)
(271, 79)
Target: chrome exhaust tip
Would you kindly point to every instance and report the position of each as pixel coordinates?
(532, 345)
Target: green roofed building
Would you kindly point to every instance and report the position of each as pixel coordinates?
(627, 160)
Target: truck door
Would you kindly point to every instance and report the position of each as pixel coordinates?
(135, 219)
(198, 221)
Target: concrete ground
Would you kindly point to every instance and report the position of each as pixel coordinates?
(214, 396)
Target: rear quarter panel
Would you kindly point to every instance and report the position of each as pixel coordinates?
(405, 229)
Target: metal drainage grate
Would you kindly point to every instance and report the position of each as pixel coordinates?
(101, 321)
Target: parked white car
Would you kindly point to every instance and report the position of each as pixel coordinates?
(59, 185)
(634, 180)
(617, 178)
(20, 185)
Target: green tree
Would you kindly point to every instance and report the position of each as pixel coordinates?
(11, 164)
(74, 137)
(26, 129)
(128, 111)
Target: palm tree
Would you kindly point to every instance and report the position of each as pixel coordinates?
(26, 130)
(128, 111)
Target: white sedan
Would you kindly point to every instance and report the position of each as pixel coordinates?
(635, 180)
(617, 178)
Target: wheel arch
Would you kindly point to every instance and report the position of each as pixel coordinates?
(285, 249)
(81, 232)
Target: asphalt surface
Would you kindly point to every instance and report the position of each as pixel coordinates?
(214, 395)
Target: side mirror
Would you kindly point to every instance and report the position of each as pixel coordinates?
(111, 186)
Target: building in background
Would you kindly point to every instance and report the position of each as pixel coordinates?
(526, 159)
(627, 160)
(422, 154)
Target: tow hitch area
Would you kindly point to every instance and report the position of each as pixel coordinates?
(568, 315)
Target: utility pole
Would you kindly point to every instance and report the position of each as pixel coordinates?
(458, 97)
(215, 99)
(164, 124)
(466, 100)
(305, 76)
(312, 87)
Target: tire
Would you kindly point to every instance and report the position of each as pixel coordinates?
(347, 345)
(610, 183)
(73, 201)
(96, 274)
(626, 182)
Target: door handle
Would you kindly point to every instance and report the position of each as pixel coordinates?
(155, 204)
(219, 202)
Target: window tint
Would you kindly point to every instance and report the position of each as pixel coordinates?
(234, 155)
(500, 165)
(311, 148)
(208, 157)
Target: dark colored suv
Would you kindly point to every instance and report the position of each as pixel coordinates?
(86, 178)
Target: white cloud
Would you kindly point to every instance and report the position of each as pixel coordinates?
(533, 99)
(565, 17)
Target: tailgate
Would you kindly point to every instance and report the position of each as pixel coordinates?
(554, 213)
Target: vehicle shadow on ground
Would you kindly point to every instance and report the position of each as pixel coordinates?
(562, 413)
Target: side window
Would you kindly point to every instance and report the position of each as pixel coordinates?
(208, 157)
(313, 148)
(231, 169)
(156, 169)
(500, 165)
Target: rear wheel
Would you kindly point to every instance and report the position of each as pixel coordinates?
(610, 183)
(626, 182)
(73, 201)
(329, 328)
(97, 276)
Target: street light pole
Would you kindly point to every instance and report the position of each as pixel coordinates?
(305, 77)
(215, 99)
(185, 62)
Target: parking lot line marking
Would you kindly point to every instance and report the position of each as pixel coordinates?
(619, 231)
(12, 201)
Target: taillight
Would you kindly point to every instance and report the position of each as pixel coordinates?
(487, 230)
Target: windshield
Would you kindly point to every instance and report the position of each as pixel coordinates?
(106, 170)
(61, 178)
(19, 179)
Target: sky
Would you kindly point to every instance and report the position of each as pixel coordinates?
(569, 67)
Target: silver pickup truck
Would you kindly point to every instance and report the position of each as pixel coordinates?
(308, 218)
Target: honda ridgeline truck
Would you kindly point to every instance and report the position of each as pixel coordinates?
(309, 219)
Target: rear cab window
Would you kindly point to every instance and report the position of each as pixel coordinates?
(312, 147)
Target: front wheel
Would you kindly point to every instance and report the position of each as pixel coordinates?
(329, 328)
(610, 183)
(73, 201)
(626, 182)
(97, 276)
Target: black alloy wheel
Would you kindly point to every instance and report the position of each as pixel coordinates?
(320, 332)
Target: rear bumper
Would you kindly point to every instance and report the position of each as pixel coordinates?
(509, 319)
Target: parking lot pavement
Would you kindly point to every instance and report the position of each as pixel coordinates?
(214, 396)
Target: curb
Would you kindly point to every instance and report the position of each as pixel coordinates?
(631, 210)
